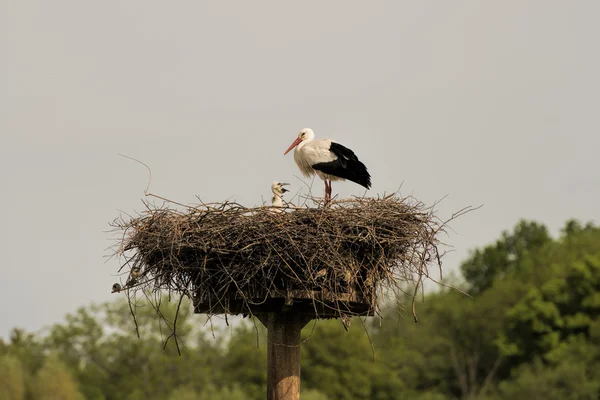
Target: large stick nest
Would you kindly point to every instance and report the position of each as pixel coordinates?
(231, 259)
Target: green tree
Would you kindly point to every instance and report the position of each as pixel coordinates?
(12, 378)
(246, 359)
(28, 348)
(541, 292)
(224, 393)
(100, 345)
(54, 381)
(570, 372)
(452, 350)
(312, 394)
(340, 364)
(184, 393)
(567, 304)
(492, 262)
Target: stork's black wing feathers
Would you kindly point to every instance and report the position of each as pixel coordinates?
(346, 166)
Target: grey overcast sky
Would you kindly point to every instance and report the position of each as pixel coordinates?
(493, 103)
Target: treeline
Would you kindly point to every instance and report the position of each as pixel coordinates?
(531, 331)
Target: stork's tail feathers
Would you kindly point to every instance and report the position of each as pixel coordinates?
(359, 174)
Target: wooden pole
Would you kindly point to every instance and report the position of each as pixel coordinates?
(283, 354)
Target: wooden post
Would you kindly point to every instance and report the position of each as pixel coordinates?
(283, 354)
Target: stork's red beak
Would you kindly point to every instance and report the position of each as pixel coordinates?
(296, 142)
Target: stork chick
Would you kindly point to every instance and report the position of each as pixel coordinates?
(278, 190)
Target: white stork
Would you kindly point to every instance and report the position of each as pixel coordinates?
(329, 160)
(278, 190)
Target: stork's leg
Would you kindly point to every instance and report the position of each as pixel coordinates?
(327, 191)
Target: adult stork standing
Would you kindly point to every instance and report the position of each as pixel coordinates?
(329, 160)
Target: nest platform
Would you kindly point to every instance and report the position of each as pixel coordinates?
(317, 262)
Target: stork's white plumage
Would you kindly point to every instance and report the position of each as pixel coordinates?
(278, 190)
(329, 160)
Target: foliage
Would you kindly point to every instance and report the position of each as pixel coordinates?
(54, 381)
(496, 260)
(564, 304)
(312, 394)
(570, 373)
(340, 364)
(246, 359)
(12, 378)
(210, 392)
